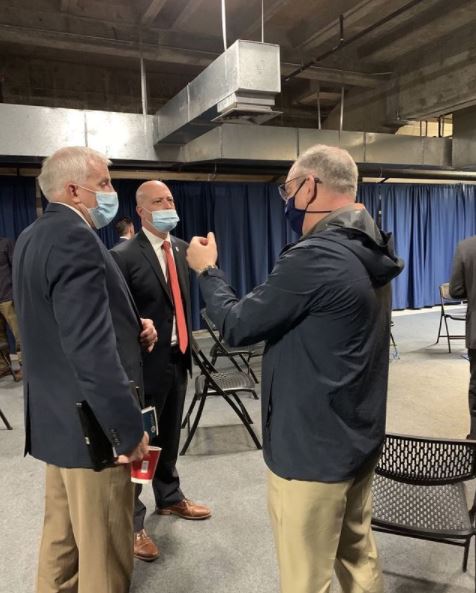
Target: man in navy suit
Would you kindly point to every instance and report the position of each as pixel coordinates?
(154, 266)
(82, 339)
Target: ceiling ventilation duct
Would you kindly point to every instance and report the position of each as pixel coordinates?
(238, 87)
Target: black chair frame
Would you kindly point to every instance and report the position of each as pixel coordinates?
(213, 383)
(220, 348)
(396, 354)
(446, 299)
(5, 356)
(419, 490)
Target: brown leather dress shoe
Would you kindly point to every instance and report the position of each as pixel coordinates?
(144, 547)
(187, 509)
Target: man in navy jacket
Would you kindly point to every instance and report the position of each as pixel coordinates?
(324, 312)
(81, 342)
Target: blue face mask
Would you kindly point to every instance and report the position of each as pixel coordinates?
(295, 216)
(164, 220)
(108, 204)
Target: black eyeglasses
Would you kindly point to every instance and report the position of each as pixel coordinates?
(282, 186)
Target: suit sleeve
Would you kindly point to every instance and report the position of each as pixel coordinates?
(76, 279)
(457, 286)
(272, 308)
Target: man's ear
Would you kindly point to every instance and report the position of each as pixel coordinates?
(72, 190)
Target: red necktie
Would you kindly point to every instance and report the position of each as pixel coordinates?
(182, 334)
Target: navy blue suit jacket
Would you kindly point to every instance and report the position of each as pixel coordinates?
(80, 338)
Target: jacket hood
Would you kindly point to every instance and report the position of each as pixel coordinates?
(353, 227)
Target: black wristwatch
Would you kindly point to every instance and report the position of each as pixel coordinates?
(206, 269)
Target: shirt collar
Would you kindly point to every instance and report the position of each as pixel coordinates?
(155, 241)
(74, 210)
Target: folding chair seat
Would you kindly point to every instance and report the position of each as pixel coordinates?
(419, 491)
(454, 315)
(225, 384)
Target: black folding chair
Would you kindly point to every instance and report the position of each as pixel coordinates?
(455, 315)
(225, 384)
(419, 490)
(5, 356)
(221, 348)
(395, 355)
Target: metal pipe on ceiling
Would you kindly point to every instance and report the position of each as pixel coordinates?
(344, 43)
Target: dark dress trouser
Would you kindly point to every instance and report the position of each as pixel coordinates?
(169, 401)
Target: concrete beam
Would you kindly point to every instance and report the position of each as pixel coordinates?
(104, 46)
(357, 17)
(152, 11)
(398, 37)
(337, 77)
(187, 12)
(270, 9)
(66, 5)
(434, 80)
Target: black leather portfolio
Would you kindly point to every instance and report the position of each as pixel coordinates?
(99, 446)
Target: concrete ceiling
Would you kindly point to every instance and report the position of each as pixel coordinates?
(398, 60)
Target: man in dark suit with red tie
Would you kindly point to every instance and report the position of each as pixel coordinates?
(154, 266)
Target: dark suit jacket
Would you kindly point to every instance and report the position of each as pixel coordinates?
(463, 284)
(77, 322)
(143, 274)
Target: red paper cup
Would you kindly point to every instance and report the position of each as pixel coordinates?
(143, 471)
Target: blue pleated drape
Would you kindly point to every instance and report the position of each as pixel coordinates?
(427, 222)
(17, 205)
(247, 219)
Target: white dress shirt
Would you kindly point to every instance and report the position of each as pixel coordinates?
(156, 243)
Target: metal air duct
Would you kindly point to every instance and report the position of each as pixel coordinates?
(238, 87)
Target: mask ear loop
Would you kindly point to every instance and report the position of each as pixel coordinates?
(312, 200)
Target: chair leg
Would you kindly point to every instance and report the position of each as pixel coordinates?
(242, 407)
(186, 418)
(244, 420)
(5, 421)
(448, 335)
(194, 425)
(466, 554)
(439, 330)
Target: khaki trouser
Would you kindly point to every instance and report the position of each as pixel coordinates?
(87, 541)
(319, 527)
(8, 316)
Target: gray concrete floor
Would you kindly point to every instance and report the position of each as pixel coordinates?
(233, 551)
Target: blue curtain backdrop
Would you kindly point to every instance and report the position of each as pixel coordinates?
(17, 205)
(427, 222)
(247, 219)
(17, 211)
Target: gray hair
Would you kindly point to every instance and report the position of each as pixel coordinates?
(70, 164)
(333, 166)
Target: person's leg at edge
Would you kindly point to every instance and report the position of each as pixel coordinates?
(306, 518)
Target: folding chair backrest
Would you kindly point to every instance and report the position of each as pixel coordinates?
(445, 297)
(426, 461)
(212, 330)
(201, 360)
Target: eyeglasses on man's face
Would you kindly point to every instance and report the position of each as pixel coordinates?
(282, 186)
